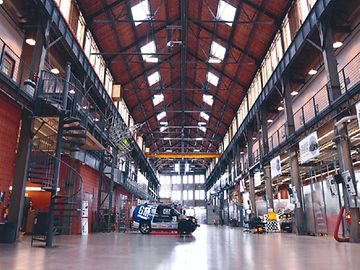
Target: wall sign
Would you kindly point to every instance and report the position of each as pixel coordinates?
(349, 184)
(357, 106)
(257, 179)
(275, 166)
(332, 185)
(309, 148)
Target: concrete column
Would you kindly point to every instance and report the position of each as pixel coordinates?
(340, 131)
(293, 157)
(20, 176)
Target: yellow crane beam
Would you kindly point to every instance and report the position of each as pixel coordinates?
(182, 155)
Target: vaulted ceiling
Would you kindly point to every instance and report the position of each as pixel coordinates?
(183, 32)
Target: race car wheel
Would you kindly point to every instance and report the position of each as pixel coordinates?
(145, 227)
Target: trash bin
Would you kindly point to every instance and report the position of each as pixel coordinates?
(9, 235)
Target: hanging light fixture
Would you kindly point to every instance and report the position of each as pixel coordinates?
(337, 44)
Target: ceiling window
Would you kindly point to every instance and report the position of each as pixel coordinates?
(154, 78)
(161, 116)
(208, 99)
(147, 51)
(157, 99)
(212, 78)
(203, 129)
(225, 12)
(217, 53)
(204, 115)
(141, 12)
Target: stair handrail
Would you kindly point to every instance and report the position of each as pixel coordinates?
(68, 166)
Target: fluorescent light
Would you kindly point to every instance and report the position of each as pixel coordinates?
(225, 12)
(217, 52)
(337, 44)
(154, 78)
(141, 12)
(164, 123)
(280, 108)
(312, 71)
(169, 150)
(294, 93)
(147, 50)
(203, 129)
(33, 188)
(55, 71)
(213, 60)
(161, 116)
(167, 139)
(30, 41)
(204, 115)
(196, 150)
(157, 99)
(212, 78)
(208, 99)
(202, 123)
(198, 139)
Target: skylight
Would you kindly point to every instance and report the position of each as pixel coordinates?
(154, 78)
(205, 116)
(147, 50)
(225, 12)
(141, 12)
(161, 116)
(157, 99)
(203, 129)
(212, 78)
(162, 129)
(202, 123)
(208, 99)
(217, 53)
(164, 123)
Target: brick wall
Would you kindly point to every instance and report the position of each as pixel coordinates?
(10, 116)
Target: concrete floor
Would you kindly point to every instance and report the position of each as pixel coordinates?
(209, 248)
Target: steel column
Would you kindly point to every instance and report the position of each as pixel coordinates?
(20, 174)
(293, 155)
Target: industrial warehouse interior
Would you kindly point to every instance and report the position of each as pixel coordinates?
(179, 134)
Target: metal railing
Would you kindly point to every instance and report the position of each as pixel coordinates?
(349, 77)
(79, 104)
(16, 70)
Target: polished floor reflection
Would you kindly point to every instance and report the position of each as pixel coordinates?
(209, 248)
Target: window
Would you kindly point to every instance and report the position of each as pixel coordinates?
(154, 78)
(141, 12)
(164, 193)
(190, 195)
(225, 12)
(185, 179)
(8, 66)
(286, 34)
(217, 53)
(204, 115)
(157, 99)
(190, 179)
(197, 179)
(208, 99)
(80, 33)
(176, 179)
(197, 194)
(203, 129)
(185, 195)
(147, 50)
(176, 195)
(202, 194)
(212, 78)
(162, 129)
(202, 179)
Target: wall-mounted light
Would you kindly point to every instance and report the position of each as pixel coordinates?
(337, 44)
(55, 71)
(30, 41)
(312, 72)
